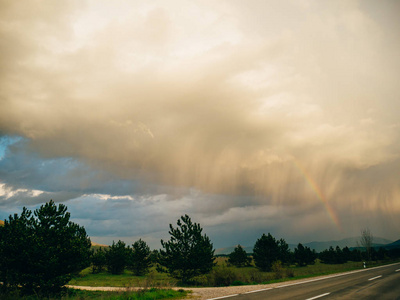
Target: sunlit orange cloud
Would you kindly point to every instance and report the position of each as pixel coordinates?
(219, 97)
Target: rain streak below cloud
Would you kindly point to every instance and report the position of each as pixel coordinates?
(253, 117)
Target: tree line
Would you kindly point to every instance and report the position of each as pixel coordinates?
(41, 251)
(268, 250)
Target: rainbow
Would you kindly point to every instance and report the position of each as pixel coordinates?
(332, 214)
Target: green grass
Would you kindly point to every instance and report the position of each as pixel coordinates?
(221, 275)
(127, 279)
(151, 294)
(72, 294)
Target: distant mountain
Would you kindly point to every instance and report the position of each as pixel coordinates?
(321, 246)
(393, 245)
(228, 250)
(349, 242)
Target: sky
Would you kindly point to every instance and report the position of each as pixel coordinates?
(251, 117)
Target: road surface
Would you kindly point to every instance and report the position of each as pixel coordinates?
(375, 283)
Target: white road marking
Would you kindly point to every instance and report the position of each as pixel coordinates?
(323, 278)
(224, 297)
(258, 291)
(375, 277)
(319, 296)
(397, 270)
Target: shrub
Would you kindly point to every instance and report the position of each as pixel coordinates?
(278, 270)
(238, 282)
(223, 276)
(289, 273)
(256, 276)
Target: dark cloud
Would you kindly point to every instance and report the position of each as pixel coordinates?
(228, 109)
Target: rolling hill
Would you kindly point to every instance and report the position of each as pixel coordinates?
(99, 245)
(393, 245)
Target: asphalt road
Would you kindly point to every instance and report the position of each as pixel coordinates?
(375, 283)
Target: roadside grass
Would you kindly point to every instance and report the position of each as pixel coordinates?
(73, 294)
(221, 275)
(126, 279)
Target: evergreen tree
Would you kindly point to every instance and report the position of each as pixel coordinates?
(140, 258)
(40, 252)
(333, 256)
(188, 253)
(154, 256)
(347, 256)
(266, 250)
(285, 256)
(98, 260)
(339, 257)
(117, 257)
(304, 255)
(381, 254)
(328, 256)
(238, 257)
(356, 255)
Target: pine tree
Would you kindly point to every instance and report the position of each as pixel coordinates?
(304, 255)
(140, 258)
(98, 260)
(266, 250)
(117, 257)
(188, 253)
(40, 252)
(238, 257)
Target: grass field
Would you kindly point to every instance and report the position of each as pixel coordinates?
(127, 279)
(222, 275)
(71, 294)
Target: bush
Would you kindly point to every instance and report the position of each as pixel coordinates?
(223, 276)
(256, 276)
(278, 270)
(289, 273)
(238, 283)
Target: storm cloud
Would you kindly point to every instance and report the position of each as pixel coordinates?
(258, 116)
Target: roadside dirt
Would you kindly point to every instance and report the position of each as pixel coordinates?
(197, 293)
